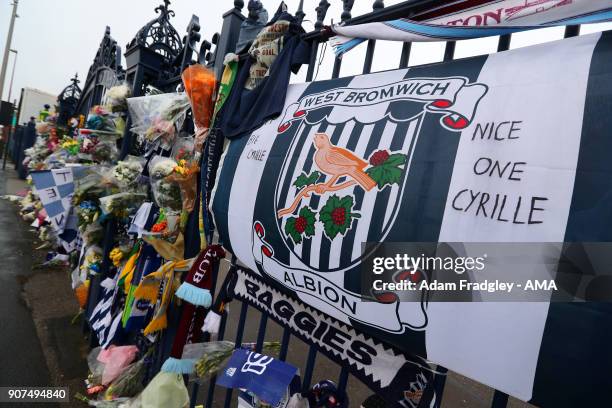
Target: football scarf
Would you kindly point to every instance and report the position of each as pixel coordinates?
(161, 281)
(136, 311)
(416, 134)
(195, 291)
(491, 19)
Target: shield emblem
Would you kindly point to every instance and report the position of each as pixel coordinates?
(341, 185)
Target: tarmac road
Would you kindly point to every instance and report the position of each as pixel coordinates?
(22, 362)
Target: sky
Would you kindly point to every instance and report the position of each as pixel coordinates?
(56, 39)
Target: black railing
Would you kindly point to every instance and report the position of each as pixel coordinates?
(160, 61)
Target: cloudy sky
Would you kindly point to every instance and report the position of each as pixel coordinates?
(57, 38)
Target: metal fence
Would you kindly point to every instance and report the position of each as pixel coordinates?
(156, 57)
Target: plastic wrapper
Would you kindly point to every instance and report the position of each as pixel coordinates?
(127, 172)
(116, 360)
(92, 234)
(200, 86)
(103, 120)
(183, 149)
(122, 204)
(129, 383)
(214, 355)
(93, 185)
(116, 97)
(167, 194)
(158, 118)
(104, 151)
(96, 367)
(185, 176)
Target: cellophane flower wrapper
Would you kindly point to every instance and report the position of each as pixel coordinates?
(93, 234)
(87, 213)
(95, 184)
(116, 97)
(200, 85)
(96, 368)
(103, 120)
(127, 172)
(185, 176)
(121, 205)
(212, 356)
(166, 194)
(157, 118)
(128, 384)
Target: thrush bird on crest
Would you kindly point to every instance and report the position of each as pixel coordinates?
(337, 162)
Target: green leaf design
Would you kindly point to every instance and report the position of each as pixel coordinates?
(304, 180)
(331, 228)
(310, 217)
(396, 159)
(291, 231)
(389, 172)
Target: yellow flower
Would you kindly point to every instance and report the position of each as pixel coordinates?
(116, 255)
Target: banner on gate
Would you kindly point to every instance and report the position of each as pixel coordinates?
(511, 147)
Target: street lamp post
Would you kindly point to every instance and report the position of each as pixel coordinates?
(7, 49)
(13, 74)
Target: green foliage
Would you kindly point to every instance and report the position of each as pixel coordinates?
(389, 172)
(304, 180)
(337, 215)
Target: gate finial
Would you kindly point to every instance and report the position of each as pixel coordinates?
(321, 12)
(239, 4)
(299, 14)
(347, 7)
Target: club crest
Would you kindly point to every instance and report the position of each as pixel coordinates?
(342, 182)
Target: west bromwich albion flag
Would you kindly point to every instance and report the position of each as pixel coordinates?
(390, 156)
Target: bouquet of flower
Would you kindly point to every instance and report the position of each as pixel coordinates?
(121, 205)
(157, 118)
(100, 119)
(185, 176)
(93, 186)
(127, 172)
(71, 145)
(87, 213)
(92, 234)
(92, 261)
(200, 86)
(213, 355)
(166, 193)
(117, 96)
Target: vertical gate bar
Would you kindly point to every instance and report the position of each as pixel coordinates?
(239, 334)
(282, 355)
(347, 6)
(405, 58)
(504, 42)
(439, 382)
(337, 65)
(500, 400)
(310, 362)
(321, 11)
(343, 379)
(213, 379)
(313, 61)
(261, 333)
(449, 51)
(572, 31)
(367, 65)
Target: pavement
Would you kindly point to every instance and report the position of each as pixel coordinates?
(39, 346)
